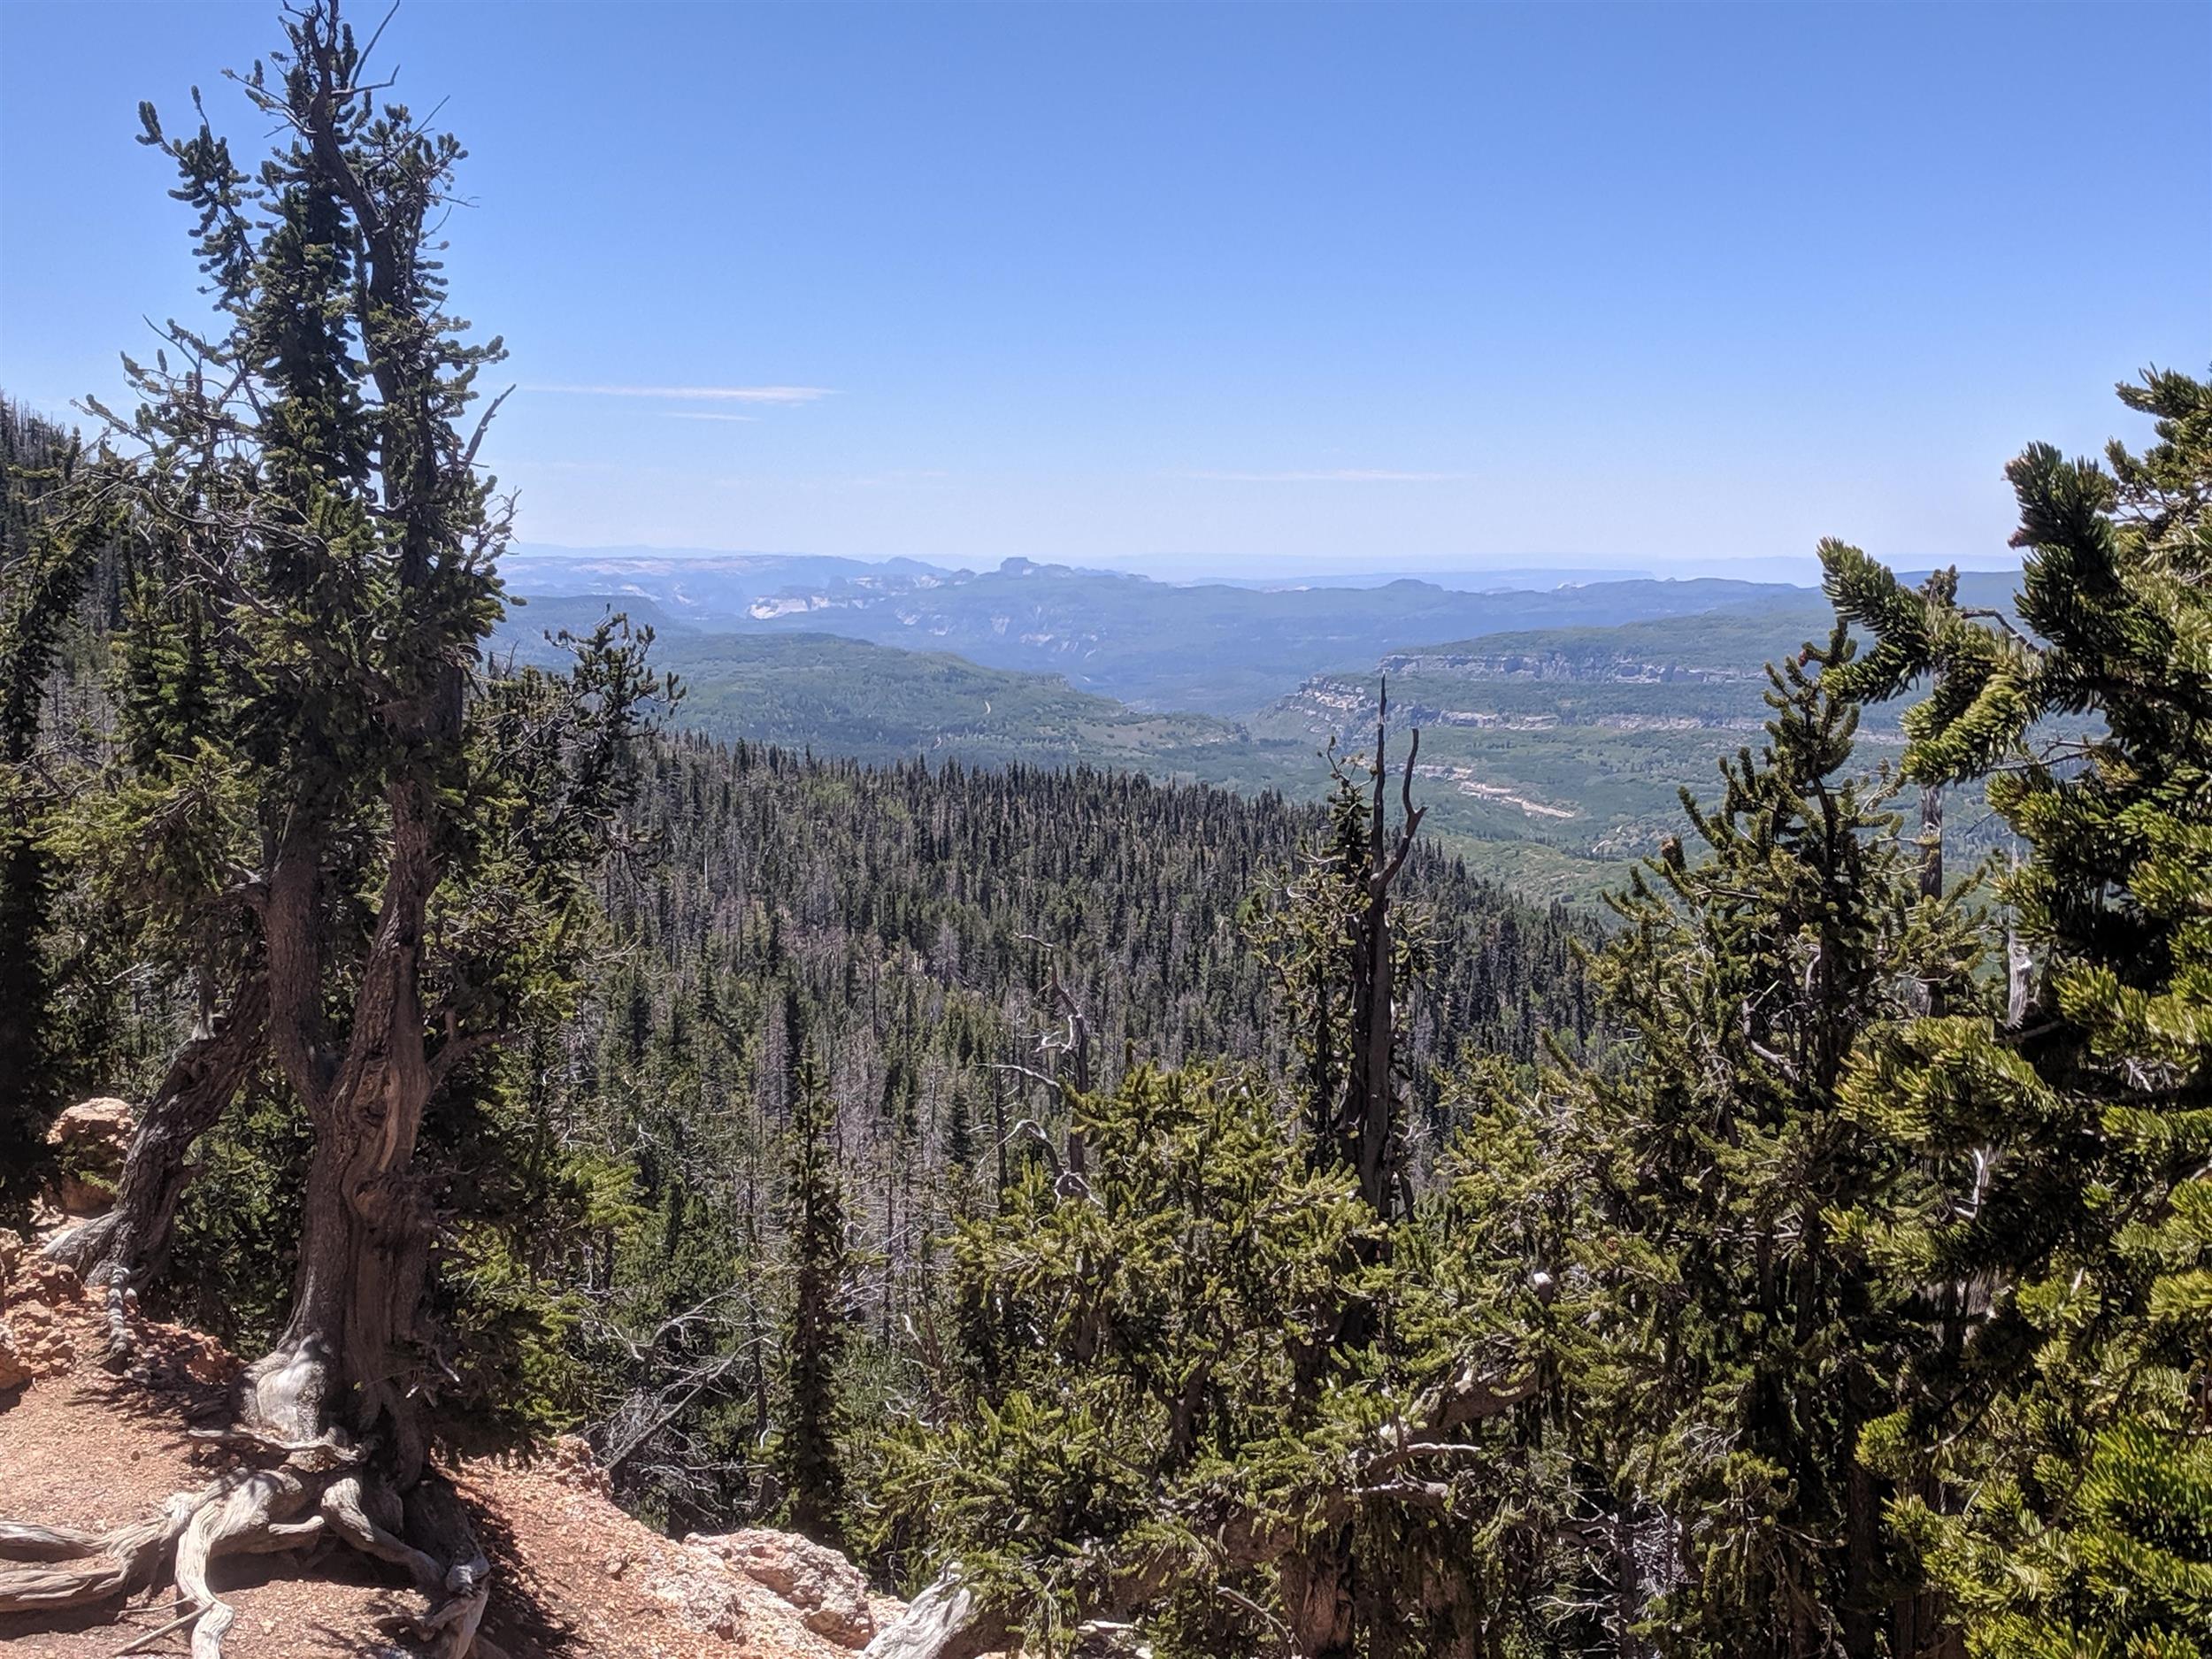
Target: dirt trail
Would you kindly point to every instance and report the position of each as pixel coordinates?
(574, 1577)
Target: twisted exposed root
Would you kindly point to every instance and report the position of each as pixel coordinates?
(436, 1516)
(453, 1627)
(245, 1518)
(346, 1506)
(946, 1621)
(21, 1542)
(287, 1394)
(83, 1248)
(44, 1569)
(139, 1644)
(102, 1566)
(453, 1623)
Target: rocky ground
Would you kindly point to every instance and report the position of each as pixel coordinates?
(573, 1575)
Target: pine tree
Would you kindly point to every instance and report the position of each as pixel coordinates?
(51, 527)
(2066, 1417)
(808, 1456)
(959, 1141)
(354, 837)
(1132, 1341)
(1736, 1206)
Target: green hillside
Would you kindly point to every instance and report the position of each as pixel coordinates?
(877, 702)
(1550, 757)
(1555, 757)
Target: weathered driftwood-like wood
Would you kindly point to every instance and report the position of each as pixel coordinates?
(946, 1621)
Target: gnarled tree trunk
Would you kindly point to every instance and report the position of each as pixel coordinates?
(130, 1241)
(1316, 1585)
(344, 1366)
(126, 1245)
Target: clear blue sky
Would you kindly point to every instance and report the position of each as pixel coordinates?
(1227, 289)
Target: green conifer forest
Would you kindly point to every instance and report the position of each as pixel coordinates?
(1126, 1216)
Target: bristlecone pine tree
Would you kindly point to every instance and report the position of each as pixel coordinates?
(2066, 1421)
(375, 853)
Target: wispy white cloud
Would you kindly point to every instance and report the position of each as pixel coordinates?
(1342, 475)
(703, 394)
(906, 478)
(913, 477)
(701, 414)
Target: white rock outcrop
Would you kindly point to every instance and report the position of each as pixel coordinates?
(828, 1591)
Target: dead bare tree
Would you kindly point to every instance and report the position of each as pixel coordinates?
(1369, 1120)
(1065, 1047)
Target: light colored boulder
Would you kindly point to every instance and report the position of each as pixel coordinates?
(708, 1603)
(829, 1592)
(91, 1138)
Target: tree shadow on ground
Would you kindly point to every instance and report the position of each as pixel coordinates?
(520, 1618)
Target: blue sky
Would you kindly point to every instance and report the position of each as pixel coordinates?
(1227, 289)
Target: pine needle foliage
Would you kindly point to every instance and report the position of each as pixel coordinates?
(1134, 1353)
(50, 534)
(2077, 1386)
(1732, 1254)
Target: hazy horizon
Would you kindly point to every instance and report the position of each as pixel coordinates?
(1802, 572)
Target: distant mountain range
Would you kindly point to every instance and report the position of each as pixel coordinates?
(1494, 581)
(1550, 755)
(1211, 647)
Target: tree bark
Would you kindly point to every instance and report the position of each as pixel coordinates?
(131, 1239)
(1628, 1583)
(1863, 1544)
(1316, 1585)
(343, 1362)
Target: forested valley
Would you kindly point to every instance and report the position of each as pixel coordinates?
(951, 944)
(1125, 1217)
